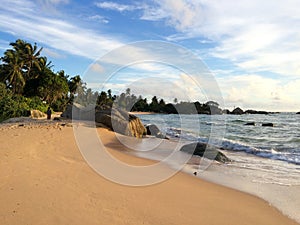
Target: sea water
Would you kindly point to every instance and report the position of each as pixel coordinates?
(265, 160)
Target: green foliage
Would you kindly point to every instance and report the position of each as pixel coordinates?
(20, 64)
(36, 103)
(16, 105)
(10, 105)
(27, 81)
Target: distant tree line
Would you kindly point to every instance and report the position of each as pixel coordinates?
(131, 102)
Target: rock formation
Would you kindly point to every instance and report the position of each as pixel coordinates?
(250, 124)
(121, 122)
(251, 111)
(204, 150)
(237, 111)
(117, 120)
(154, 131)
(268, 125)
(37, 114)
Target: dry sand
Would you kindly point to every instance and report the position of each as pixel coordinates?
(45, 180)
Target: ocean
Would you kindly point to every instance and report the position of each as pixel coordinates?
(265, 160)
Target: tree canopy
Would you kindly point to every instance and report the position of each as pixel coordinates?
(25, 74)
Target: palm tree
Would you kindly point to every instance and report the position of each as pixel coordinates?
(29, 54)
(73, 84)
(52, 87)
(32, 59)
(32, 85)
(14, 75)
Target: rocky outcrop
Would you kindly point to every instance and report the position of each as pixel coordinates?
(204, 150)
(153, 130)
(251, 111)
(79, 112)
(226, 111)
(121, 122)
(37, 114)
(250, 124)
(268, 125)
(237, 111)
(298, 113)
(117, 120)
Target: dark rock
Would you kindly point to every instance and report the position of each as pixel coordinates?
(237, 111)
(67, 113)
(250, 111)
(268, 125)
(170, 109)
(204, 150)
(226, 111)
(79, 112)
(250, 124)
(154, 131)
(117, 120)
(298, 113)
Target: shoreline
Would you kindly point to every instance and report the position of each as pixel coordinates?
(142, 113)
(45, 180)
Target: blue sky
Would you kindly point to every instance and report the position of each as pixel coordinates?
(252, 47)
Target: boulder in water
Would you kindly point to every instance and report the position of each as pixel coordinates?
(204, 150)
(153, 130)
(268, 125)
(250, 124)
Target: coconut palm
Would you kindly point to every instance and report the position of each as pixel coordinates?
(30, 55)
(13, 72)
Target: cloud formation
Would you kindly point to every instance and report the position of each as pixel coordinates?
(20, 19)
(116, 6)
(255, 35)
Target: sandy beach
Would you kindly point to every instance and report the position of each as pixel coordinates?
(45, 180)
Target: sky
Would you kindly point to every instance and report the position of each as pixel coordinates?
(251, 48)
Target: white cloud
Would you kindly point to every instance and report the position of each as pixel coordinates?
(52, 53)
(57, 34)
(98, 18)
(252, 34)
(116, 6)
(149, 12)
(257, 92)
(54, 2)
(96, 67)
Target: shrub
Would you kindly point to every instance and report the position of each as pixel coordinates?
(17, 105)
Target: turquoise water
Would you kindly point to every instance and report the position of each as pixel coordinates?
(280, 142)
(264, 154)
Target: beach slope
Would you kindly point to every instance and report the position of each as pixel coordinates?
(45, 180)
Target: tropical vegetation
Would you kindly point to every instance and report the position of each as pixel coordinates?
(27, 81)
